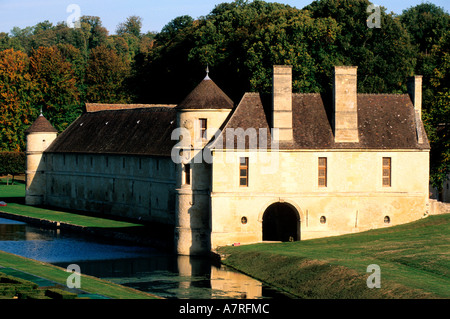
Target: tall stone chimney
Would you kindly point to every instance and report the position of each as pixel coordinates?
(345, 104)
(282, 101)
(414, 85)
(415, 92)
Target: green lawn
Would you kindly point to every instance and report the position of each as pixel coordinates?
(64, 217)
(414, 262)
(16, 190)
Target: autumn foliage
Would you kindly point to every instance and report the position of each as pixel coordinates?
(17, 95)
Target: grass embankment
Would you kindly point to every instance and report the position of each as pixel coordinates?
(89, 284)
(64, 217)
(17, 191)
(413, 258)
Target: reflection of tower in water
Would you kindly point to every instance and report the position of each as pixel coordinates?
(223, 283)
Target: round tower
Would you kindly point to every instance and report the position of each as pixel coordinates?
(39, 136)
(201, 114)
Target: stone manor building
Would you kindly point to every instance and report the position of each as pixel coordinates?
(273, 167)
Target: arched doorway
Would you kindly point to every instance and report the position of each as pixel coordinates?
(281, 222)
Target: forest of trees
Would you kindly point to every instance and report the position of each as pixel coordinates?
(58, 69)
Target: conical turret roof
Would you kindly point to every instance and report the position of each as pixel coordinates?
(41, 125)
(207, 95)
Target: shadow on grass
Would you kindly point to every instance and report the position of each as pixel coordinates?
(16, 200)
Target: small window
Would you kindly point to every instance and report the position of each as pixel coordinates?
(187, 174)
(322, 172)
(387, 220)
(386, 172)
(244, 220)
(203, 127)
(323, 220)
(243, 171)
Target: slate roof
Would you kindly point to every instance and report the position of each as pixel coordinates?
(140, 131)
(207, 95)
(41, 125)
(386, 121)
(95, 107)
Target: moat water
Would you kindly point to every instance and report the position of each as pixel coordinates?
(142, 268)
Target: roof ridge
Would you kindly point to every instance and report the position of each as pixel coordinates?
(96, 107)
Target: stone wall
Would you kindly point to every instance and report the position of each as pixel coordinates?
(131, 186)
(437, 207)
(37, 143)
(354, 199)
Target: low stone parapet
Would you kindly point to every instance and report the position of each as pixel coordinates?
(437, 207)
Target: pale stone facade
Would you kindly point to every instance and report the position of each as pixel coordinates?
(353, 163)
(39, 137)
(130, 186)
(354, 199)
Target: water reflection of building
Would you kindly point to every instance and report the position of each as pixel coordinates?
(16, 230)
(12, 231)
(236, 285)
(223, 283)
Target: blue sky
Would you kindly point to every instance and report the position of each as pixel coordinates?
(155, 13)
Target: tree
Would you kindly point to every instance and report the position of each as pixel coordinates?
(18, 92)
(426, 23)
(22, 38)
(429, 27)
(131, 26)
(43, 35)
(76, 37)
(93, 30)
(174, 27)
(76, 58)
(385, 56)
(437, 112)
(106, 75)
(12, 163)
(58, 93)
